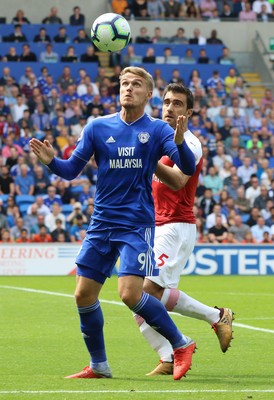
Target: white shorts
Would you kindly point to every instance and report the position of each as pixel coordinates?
(173, 246)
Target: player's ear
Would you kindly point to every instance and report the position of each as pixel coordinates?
(189, 112)
(149, 95)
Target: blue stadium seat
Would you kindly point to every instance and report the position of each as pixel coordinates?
(245, 138)
(245, 217)
(24, 199)
(271, 162)
(23, 208)
(4, 198)
(67, 209)
(76, 189)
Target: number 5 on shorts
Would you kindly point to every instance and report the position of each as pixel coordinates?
(162, 259)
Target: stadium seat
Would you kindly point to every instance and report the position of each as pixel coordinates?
(245, 217)
(4, 198)
(67, 209)
(245, 138)
(10, 220)
(271, 162)
(22, 199)
(23, 208)
(77, 189)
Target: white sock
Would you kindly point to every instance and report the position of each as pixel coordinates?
(158, 342)
(186, 305)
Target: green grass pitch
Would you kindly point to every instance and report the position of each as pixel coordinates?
(40, 343)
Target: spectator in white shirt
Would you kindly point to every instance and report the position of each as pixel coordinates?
(211, 218)
(17, 110)
(56, 213)
(246, 170)
(259, 229)
(253, 190)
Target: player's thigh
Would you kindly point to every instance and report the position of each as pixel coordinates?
(173, 246)
(96, 258)
(136, 252)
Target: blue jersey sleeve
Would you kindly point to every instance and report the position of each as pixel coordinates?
(187, 159)
(71, 168)
(181, 155)
(67, 169)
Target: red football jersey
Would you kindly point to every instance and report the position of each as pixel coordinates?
(171, 206)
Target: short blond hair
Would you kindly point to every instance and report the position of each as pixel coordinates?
(139, 72)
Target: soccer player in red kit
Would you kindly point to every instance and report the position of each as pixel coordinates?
(175, 237)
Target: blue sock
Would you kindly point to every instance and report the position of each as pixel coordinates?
(91, 323)
(156, 315)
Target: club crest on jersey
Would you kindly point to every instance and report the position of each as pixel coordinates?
(143, 137)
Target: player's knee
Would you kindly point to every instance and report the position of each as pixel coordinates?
(129, 298)
(83, 298)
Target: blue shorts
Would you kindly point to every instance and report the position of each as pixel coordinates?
(105, 243)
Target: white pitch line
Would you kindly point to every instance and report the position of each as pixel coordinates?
(137, 391)
(253, 328)
(117, 303)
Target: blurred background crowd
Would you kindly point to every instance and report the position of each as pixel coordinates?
(235, 197)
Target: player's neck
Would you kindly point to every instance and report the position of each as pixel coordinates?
(130, 115)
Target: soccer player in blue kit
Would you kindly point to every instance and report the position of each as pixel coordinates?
(127, 146)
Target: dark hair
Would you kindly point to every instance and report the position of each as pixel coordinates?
(179, 88)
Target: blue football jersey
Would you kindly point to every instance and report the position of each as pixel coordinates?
(127, 156)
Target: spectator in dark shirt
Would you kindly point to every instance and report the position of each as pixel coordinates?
(62, 36)
(27, 55)
(218, 232)
(143, 36)
(12, 56)
(95, 104)
(52, 18)
(213, 39)
(150, 56)
(77, 18)
(227, 14)
(81, 37)
(16, 36)
(42, 36)
(254, 215)
(20, 18)
(4, 110)
(70, 55)
(59, 230)
(89, 55)
(64, 191)
(203, 58)
(139, 8)
(172, 8)
(264, 16)
(6, 181)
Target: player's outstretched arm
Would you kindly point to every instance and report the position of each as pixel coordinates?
(67, 169)
(171, 176)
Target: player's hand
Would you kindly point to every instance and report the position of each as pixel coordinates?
(43, 150)
(181, 128)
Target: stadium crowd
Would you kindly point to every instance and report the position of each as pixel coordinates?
(235, 196)
(217, 10)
